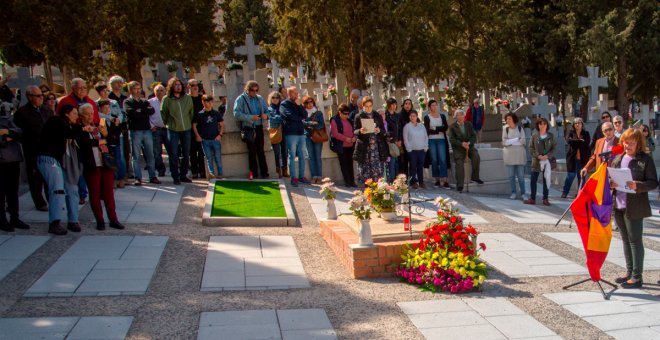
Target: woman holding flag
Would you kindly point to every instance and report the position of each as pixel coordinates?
(630, 209)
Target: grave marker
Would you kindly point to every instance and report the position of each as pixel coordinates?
(542, 108)
(530, 96)
(251, 51)
(593, 82)
(22, 81)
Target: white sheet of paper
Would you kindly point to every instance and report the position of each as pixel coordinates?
(513, 141)
(620, 177)
(369, 124)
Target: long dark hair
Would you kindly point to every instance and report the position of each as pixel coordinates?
(64, 111)
(404, 104)
(170, 86)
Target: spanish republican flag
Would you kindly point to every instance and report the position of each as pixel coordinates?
(592, 211)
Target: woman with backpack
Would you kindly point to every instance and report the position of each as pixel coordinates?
(515, 156)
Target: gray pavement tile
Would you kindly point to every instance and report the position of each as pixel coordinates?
(451, 319)
(120, 274)
(128, 285)
(299, 319)
(257, 268)
(57, 283)
(309, 334)
(36, 328)
(268, 331)
(433, 306)
(566, 298)
(493, 306)
(276, 281)
(149, 241)
(224, 265)
(599, 308)
(72, 267)
(481, 332)
(234, 243)
(153, 213)
(223, 280)
(134, 194)
(168, 193)
(238, 318)
(139, 253)
(622, 321)
(127, 264)
(519, 326)
(101, 327)
(20, 247)
(642, 333)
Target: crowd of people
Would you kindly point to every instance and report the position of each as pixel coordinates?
(75, 148)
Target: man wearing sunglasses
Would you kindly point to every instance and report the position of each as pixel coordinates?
(603, 145)
(598, 132)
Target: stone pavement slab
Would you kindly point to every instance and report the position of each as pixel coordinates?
(344, 195)
(517, 257)
(615, 255)
(102, 265)
(474, 318)
(518, 211)
(285, 324)
(147, 204)
(252, 262)
(14, 249)
(78, 328)
(629, 314)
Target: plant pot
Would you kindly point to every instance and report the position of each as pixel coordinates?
(365, 233)
(331, 209)
(388, 215)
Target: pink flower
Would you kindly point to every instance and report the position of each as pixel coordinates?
(454, 289)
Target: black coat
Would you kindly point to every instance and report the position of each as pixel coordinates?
(360, 153)
(643, 172)
(32, 123)
(10, 150)
(439, 130)
(576, 143)
(87, 143)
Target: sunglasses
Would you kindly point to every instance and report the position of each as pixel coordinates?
(605, 117)
(618, 122)
(253, 90)
(608, 130)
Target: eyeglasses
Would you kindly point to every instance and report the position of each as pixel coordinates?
(605, 117)
(253, 90)
(607, 130)
(618, 122)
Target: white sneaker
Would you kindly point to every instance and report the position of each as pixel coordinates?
(525, 197)
(513, 196)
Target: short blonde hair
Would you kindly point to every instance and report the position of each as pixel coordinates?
(634, 135)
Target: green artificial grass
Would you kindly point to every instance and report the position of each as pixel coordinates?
(247, 199)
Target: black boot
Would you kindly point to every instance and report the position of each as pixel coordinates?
(100, 225)
(75, 227)
(116, 225)
(18, 224)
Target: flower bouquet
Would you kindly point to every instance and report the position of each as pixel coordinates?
(359, 205)
(329, 193)
(446, 258)
(380, 194)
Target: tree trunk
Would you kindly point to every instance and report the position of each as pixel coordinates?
(49, 74)
(134, 59)
(622, 82)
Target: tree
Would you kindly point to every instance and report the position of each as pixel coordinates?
(241, 17)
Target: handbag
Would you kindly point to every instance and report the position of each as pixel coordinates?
(553, 163)
(247, 134)
(394, 150)
(275, 135)
(109, 160)
(319, 135)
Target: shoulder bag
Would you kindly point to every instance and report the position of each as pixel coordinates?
(247, 132)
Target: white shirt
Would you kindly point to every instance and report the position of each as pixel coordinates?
(433, 123)
(155, 119)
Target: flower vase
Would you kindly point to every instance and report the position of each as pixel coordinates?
(388, 215)
(331, 209)
(365, 233)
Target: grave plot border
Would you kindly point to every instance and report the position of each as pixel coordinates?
(233, 221)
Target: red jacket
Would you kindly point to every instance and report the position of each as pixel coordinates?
(73, 101)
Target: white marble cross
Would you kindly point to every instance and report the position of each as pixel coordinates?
(644, 110)
(22, 81)
(411, 88)
(251, 51)
(285, 73)
(603, 104)
(275, 71)
(593, 82)
(323, 104)
(542, 107)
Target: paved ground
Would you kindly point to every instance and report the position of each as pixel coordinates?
(173, 304)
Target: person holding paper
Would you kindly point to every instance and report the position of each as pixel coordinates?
(578, 154)
(630, 209)
(371, 148)
(515, 157)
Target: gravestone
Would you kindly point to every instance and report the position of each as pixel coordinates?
(251, 51)
(543, 109)
(22, 81)
(593, 82)
(603, 104)
(377, 92)
(568, 106)
(261, 77)
(530, 96)
(307, 88)
(274, 72)
(163, 75)
(340, 84)
(644, 114)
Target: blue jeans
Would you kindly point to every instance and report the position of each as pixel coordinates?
(212, 150)
(517, 171)
(61, 193)
(392, 168)
(438, 157)
(121, 165)
(417, 166)
(279, 151)
(82, 188)
(570, 176)
(295, 146)
(160, 139)
(142, 139)
(314, 151)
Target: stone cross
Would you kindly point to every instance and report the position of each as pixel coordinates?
(529, 95)
(644, 110)
(593, 82)
(324, 105)
(261, 77)
(603, 104)
(300, 74)
(251, 51)
(22, 81)
(410, 86)
(275, 71)
(285, 74)
(542, 107)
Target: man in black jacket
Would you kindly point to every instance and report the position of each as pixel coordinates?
(10, 159)
(138, 111)
(30, 118)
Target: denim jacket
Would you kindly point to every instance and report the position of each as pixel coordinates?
(314, 117)
(274, 116)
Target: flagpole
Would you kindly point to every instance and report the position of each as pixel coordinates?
(581, 186)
